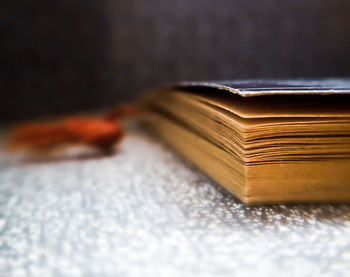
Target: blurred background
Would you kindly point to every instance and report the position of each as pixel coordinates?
(62, 56)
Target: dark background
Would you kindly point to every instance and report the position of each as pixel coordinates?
(61, 56)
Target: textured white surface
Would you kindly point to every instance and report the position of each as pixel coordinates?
(146, 212)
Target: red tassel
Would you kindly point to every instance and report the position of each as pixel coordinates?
(121, 112)
(99, 132)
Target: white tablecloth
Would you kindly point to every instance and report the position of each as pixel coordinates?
(144, 211)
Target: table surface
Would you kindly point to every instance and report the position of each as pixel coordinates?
(144, 211)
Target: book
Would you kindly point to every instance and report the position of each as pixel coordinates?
(265, 141)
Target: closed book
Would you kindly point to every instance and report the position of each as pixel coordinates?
(265, 141)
